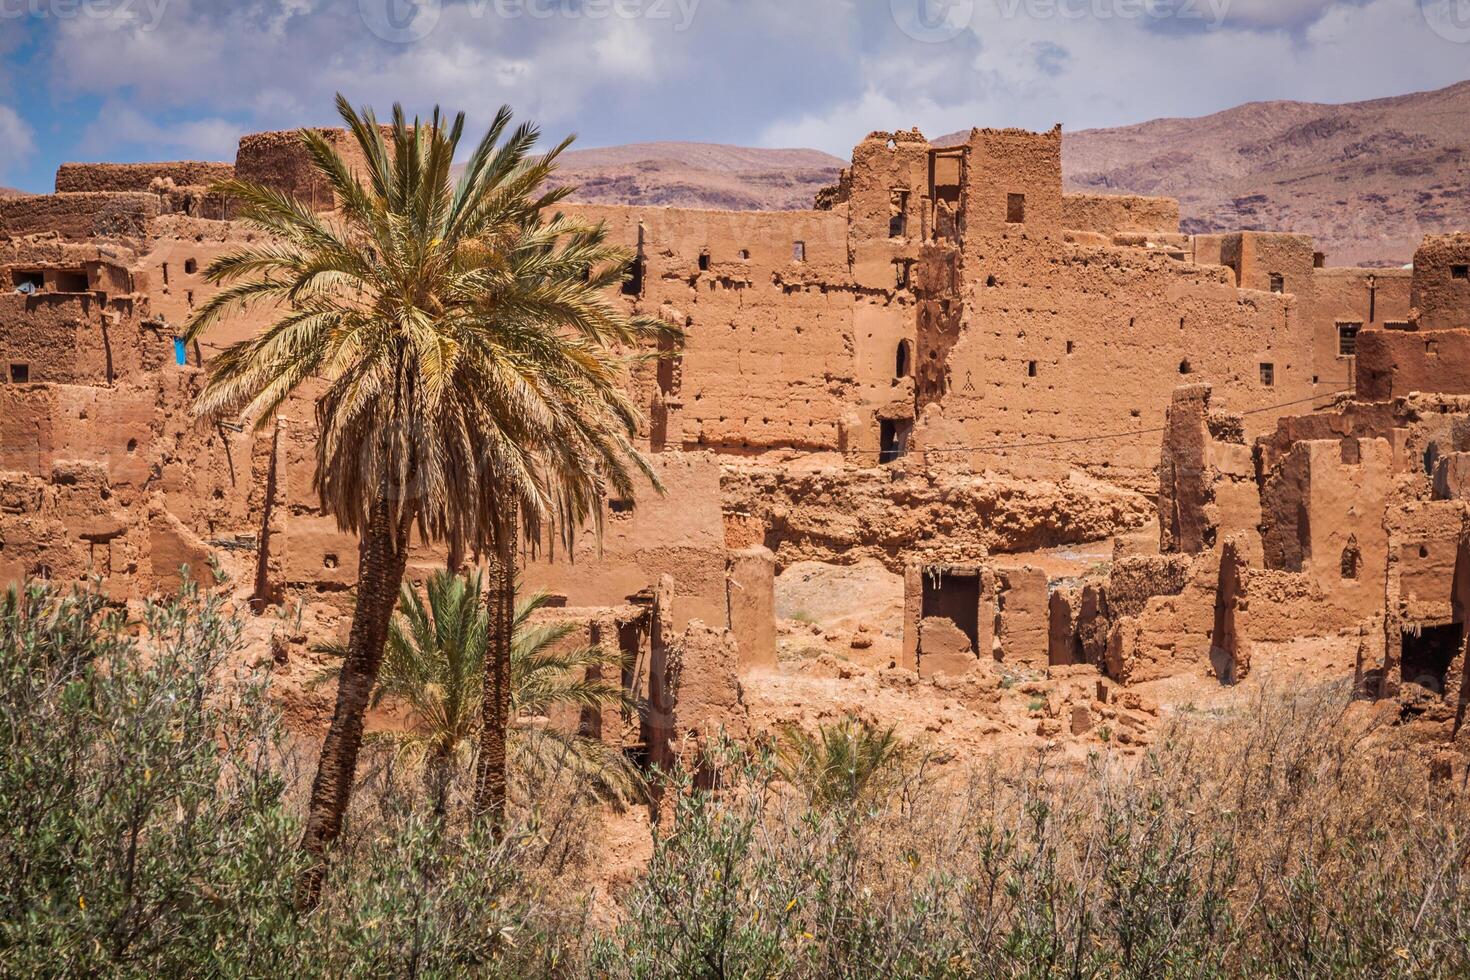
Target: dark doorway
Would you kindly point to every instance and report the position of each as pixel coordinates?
(893, 439)
(1427, 653)
(633, 281)
(956, 597)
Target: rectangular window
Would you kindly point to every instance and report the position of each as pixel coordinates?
(898, 214)
(1278, 283)
(71, 282)
(1460, 272)
(1015, 208)
(704, 261)
(798, 251)
(20, 374)
(1347, 339)
(1395, 324)
(1268, 374)
(901, 274)
(28, 282)
(1030, 369)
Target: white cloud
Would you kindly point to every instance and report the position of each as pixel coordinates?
(820, 73)
(17, 140)
(1118, 71)
(119, 126)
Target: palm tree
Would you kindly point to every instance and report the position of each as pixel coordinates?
(841, 763)
(434, 667)
(465, 342)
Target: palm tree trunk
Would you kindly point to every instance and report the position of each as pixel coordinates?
(439, 772)
(383, 553)
(490, 770)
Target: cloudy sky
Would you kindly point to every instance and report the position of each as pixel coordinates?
(171, 79)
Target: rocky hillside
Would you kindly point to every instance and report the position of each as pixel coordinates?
(1368, 179)
(699, 175)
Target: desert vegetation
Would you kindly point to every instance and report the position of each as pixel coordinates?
(154, 803)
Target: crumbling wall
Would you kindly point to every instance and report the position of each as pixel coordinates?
(79, 216)
(77, 177)
(279, 160)
(1441, 283)
(680, 533)
(1109, 214)
(1185, 487)
(1393, 363)
(1023, 616)
(751, 600)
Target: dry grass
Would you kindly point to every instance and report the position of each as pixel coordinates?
(1294, 838)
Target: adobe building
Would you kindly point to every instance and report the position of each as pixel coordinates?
(947, 366)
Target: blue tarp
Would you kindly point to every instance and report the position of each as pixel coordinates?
(181, 353)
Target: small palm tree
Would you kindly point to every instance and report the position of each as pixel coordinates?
(839, 765)
(434, 666)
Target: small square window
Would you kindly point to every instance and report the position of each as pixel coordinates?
(798, 251)
(1460, 272)
(1015, 208)
(20, 374)
(1347, 339)
(1268, 375)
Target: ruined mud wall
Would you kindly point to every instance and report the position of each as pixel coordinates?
(1392, 363)
(74, 177)
(1441, 285)
(905, 513)
(79, 216)
(1109, 214)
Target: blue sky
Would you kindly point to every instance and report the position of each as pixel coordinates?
(182, 79)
